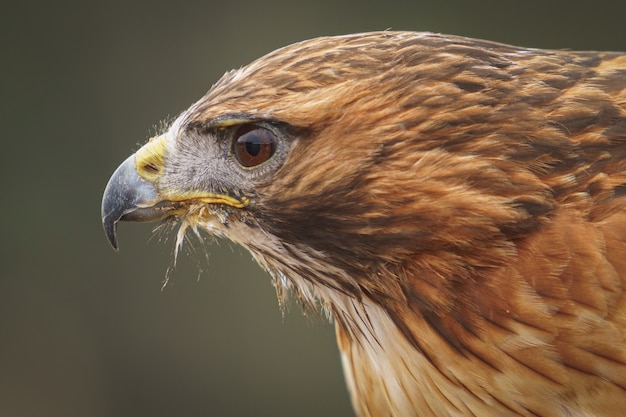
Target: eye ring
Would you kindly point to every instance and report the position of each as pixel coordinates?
(253, 145)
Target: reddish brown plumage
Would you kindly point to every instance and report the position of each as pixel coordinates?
(457, 205)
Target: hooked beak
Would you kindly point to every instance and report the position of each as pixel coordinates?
(129, 197)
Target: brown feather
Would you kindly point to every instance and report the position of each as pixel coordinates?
(459, 207)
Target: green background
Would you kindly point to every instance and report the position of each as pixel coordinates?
(87, 332)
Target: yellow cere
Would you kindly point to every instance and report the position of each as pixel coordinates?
(149, 159)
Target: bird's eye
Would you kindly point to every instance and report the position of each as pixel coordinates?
(253, 145)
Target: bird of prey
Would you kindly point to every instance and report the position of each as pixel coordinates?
(457, 206)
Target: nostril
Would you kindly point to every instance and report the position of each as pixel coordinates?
(151, 168)
(150, 159)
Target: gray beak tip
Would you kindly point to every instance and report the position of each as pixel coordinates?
(112, 211)
(127, 196)
(110, 229)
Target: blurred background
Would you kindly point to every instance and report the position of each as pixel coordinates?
(85, 331)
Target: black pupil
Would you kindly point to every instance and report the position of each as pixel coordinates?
(254, 145)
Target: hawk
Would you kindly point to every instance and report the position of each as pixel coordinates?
(457, 206)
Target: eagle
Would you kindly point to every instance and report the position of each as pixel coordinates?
(456, 206)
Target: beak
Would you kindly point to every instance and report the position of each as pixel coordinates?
(127, 196)
(131, 195)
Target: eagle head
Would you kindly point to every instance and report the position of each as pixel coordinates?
(327, 159)
(455, 205)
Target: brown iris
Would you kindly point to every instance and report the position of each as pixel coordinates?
(253, 145)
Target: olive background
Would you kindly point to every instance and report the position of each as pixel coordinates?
(85, 331)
